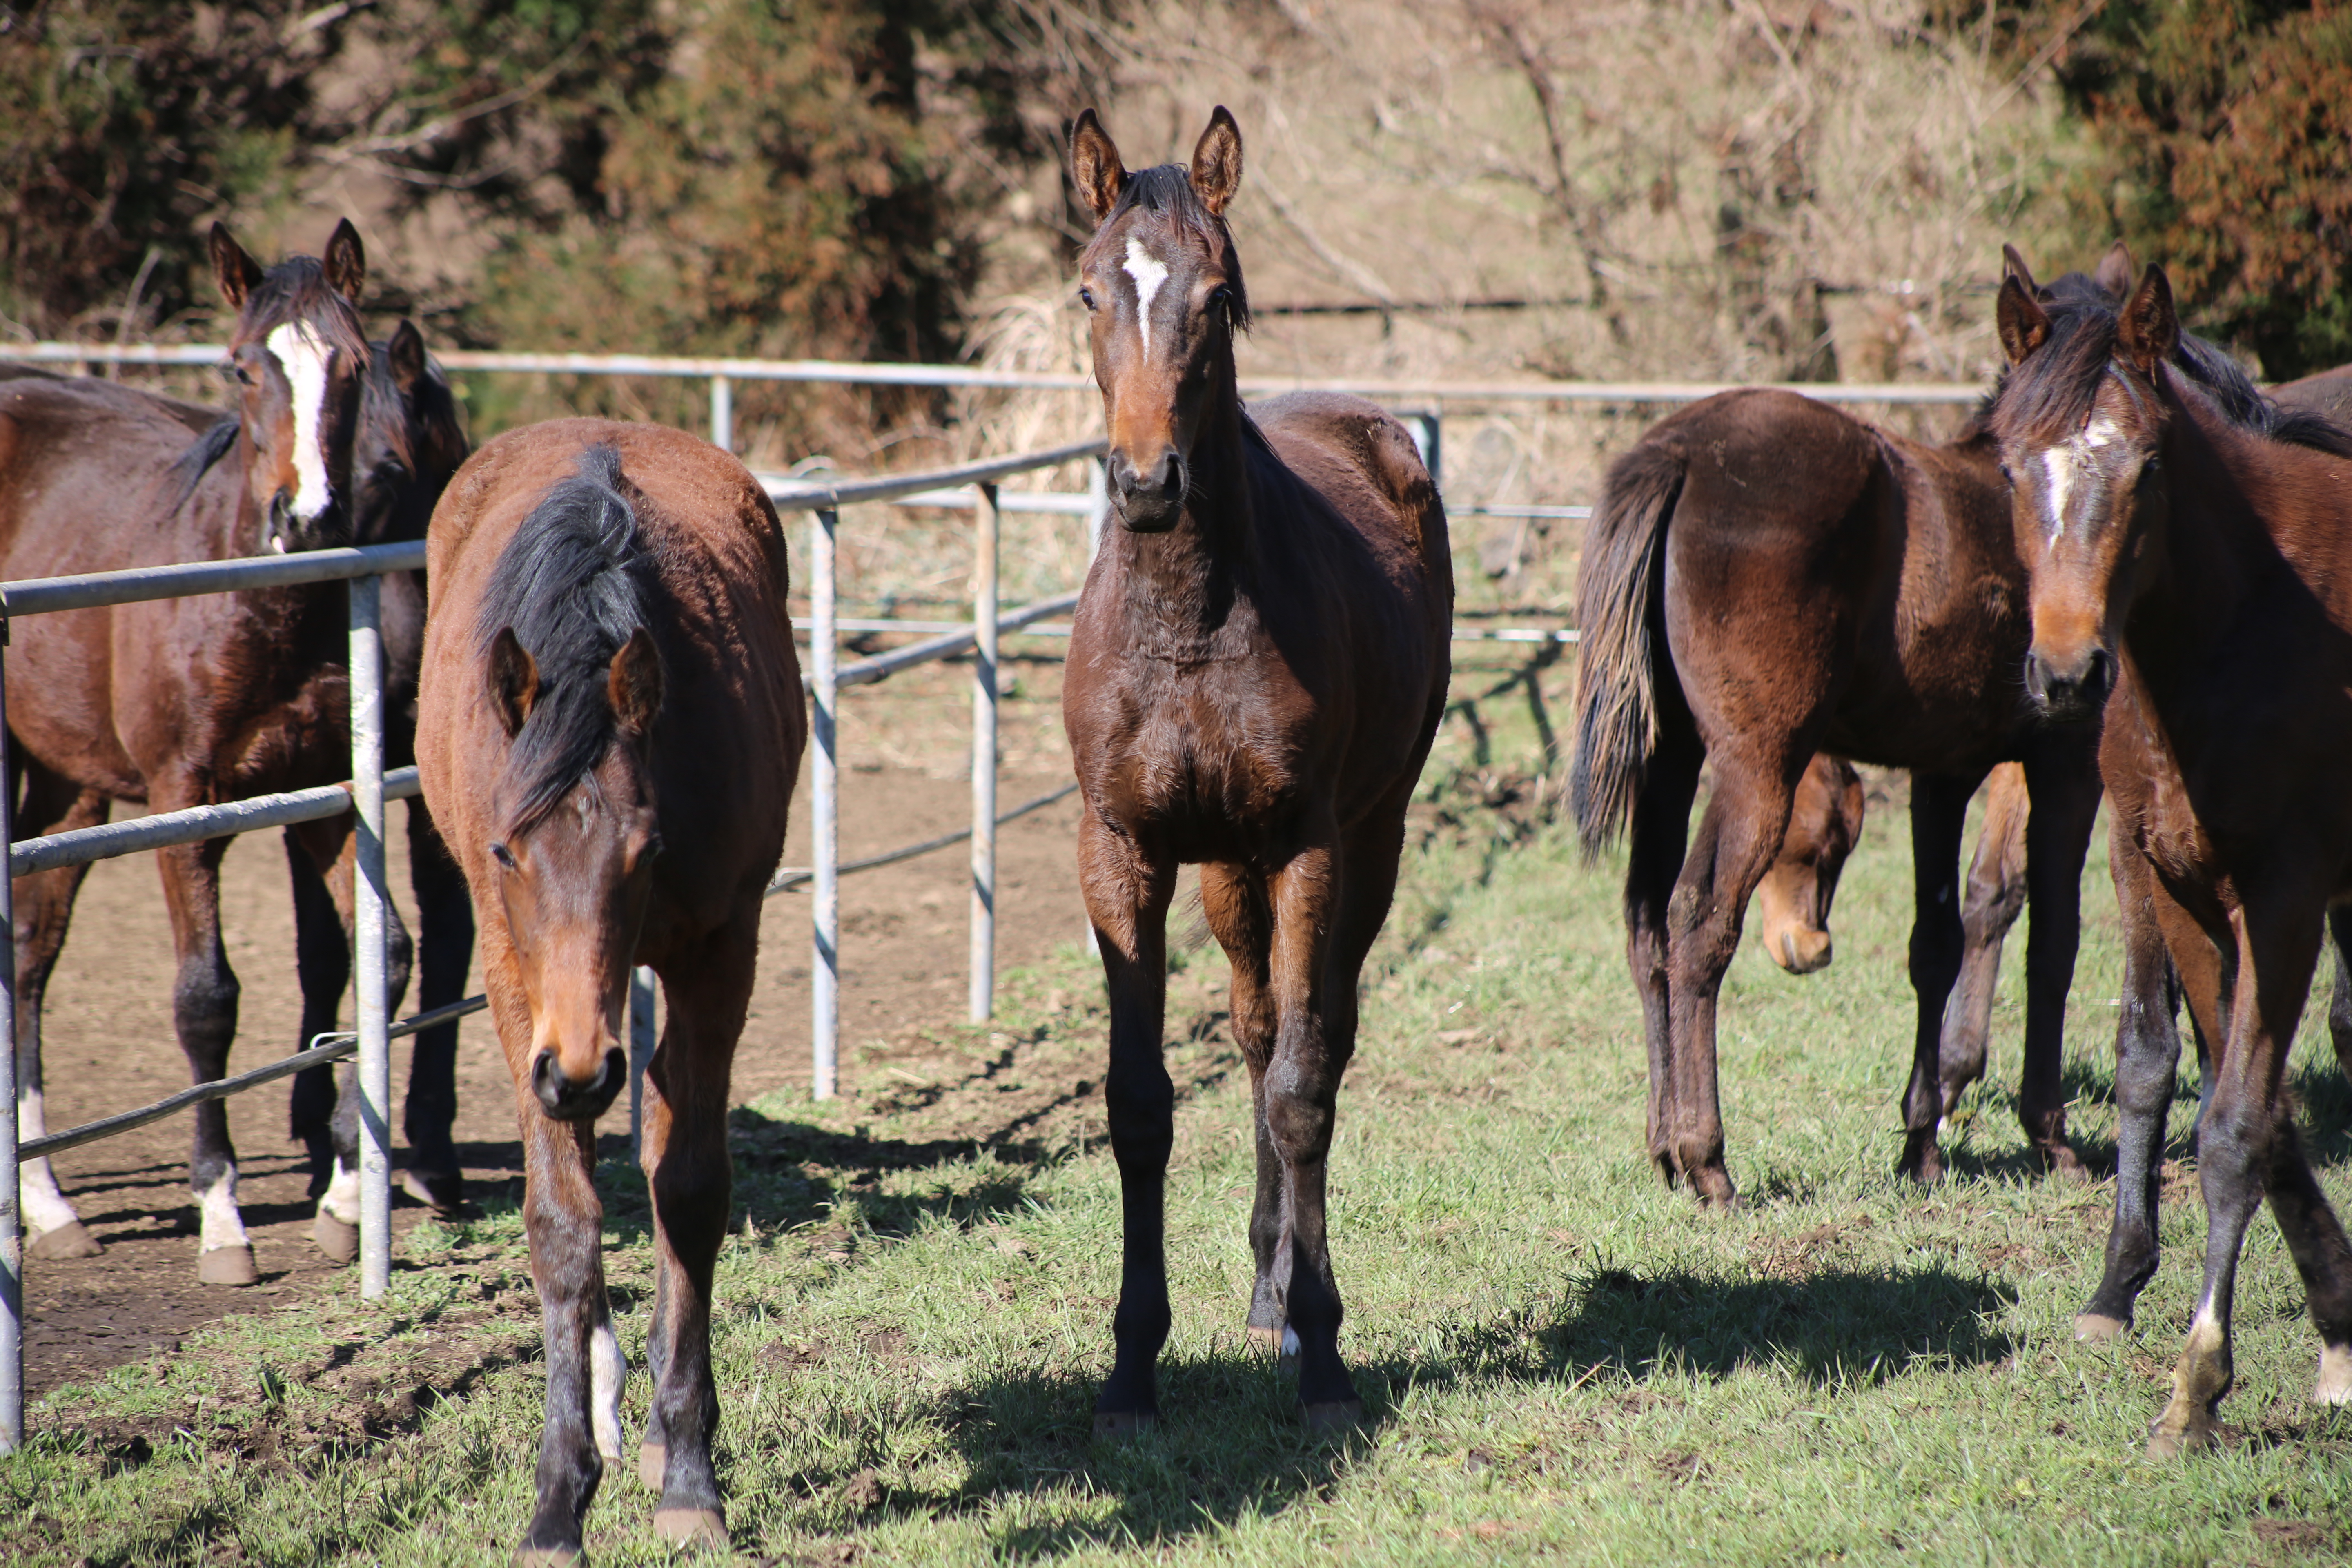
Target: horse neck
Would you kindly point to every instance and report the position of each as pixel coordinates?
(1181, 585)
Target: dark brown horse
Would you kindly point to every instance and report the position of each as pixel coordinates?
(2194, 577)
(1766, 577)
(1257, 666)
(179, 702)
(1792, 901)
(609, 724)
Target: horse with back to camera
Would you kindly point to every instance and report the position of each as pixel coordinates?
(609, 724)
(1257, 666)
(181, 703)
(2193, 577)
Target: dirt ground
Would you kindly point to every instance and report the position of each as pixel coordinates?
(110, 1046)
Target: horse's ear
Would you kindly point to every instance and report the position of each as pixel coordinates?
(346, 261)
(2150, 330)
(514, 680)
(2013, 265)
(2020, 322)
(635, 684)
(232, 269)
(2116, 271)
(1095, 166)
(406, 352)
(1217, 161)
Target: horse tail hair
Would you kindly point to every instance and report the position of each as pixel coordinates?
(1617, 609)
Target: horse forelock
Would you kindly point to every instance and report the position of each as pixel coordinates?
(1165, 195)
(572, 584)
(2050, 396)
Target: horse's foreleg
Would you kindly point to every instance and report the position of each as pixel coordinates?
(1661, 834)
(204, 1012)
(1302, 1092)
(1234, 899)
(2339, 1001)
(2148, 1054)
(1127, 895)
(1747, 816)
(2063, 775)
(2245, 1149)
(444, 948)
(43, 905)
(1939, 804)
(1995, 897)
(323, 966)
(706, 996)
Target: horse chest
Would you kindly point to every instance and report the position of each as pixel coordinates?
(1193, 761)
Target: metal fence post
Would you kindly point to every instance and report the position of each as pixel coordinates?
(824, 781)
(642, 1040)
(12, 1236)
(983, 755)
(368, 934)
(722, 413)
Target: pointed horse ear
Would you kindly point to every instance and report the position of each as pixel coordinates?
(1095, 166)
(406, 352)
(634, 685)
(346, 261)
(1217, 161)
(2013, 265)
(2019, 321)
(232, 269)
(2150, 330)
(514, 680)
(2116, 271)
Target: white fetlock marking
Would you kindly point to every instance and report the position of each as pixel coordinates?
(1289, 1340)
(222, 1224)
(343, 1196)
(43, 1204)
(2334, 1387)
(609, 1369)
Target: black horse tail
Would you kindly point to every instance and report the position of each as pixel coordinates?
(1619, 610)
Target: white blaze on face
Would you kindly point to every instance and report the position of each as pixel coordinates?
(1148, 272)
(2068, 462)
(304, 358)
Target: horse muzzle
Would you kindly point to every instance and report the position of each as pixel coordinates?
(2070, 689)
(1149, 500)
(565, 1098)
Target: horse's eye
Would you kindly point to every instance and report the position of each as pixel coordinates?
(232, 371)
(2006, 477)
(1221, 299)
(503, 856)
(1086, 297)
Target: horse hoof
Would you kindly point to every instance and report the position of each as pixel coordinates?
(1265, 1341)
(338, 1241)
(2335, 1384)
(68, 1240)
(2167, 1442)
(1333, 1418)
(691, 1526)
(547, 1556)
(227, 1266)
(443, 1192)
(1922, 1160)
(652, 1459)
(1125, 1423)
(2064, 1164)
(2098, 1329)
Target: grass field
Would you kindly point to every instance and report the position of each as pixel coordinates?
(1560, 1359)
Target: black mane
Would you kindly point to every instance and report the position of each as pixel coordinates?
(574, 583)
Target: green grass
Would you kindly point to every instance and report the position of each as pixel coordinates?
(1561, 1360)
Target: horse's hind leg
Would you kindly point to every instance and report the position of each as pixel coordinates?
(705, 996)
(2062, 774)
(2339, 1001)
(444, 948)
(1233, 899)
(204, 1012)
(1939, 804)
(44, 909)
(1994, 899)
(1127, 893)
(1661, 833)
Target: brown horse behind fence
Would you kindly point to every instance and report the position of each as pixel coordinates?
(610, 721)
(2194, 577)
(1257, 666)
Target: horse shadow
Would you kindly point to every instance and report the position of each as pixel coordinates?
(1230, 1447)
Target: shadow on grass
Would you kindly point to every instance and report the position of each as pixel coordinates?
(1229, 1445)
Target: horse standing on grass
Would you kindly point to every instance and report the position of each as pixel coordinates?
(609, 724)
(1257, 666)
(181, 703)
(2194, 578)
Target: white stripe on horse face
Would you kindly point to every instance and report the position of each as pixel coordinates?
(304, 358)
(2067, 462)
(1148, 272)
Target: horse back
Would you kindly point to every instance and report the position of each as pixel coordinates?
(732, 721)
